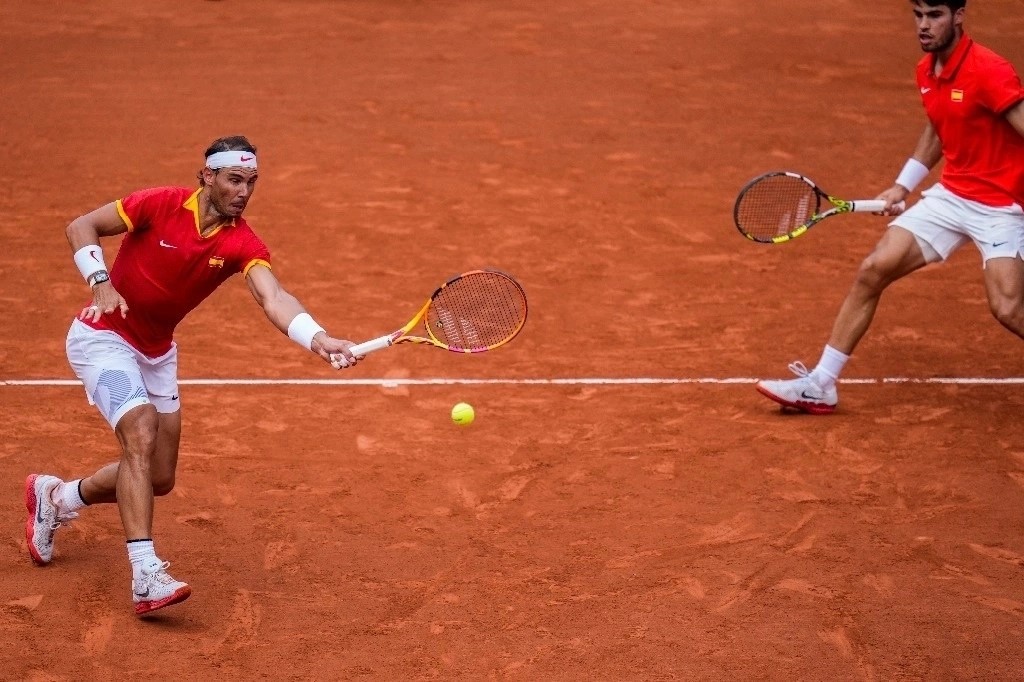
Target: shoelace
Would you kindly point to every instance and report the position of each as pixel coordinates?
(63, 520)
(800, 369)
(161, 574)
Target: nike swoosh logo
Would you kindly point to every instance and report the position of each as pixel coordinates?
(143, 594)
(174, 397)
(245, 158)
(94, 256)
(999, 244)
(166, 245)
(39, 518)
(803, 394)
(925, 91)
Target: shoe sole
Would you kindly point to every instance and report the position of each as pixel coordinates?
(145, 607)
(30, 525)
(809, 408)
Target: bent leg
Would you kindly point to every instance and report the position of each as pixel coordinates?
(165, 461)
(896, 255)
(101, 487)
(137, 432)
(1004, 284)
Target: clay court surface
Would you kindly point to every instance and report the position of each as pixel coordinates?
(575, 531)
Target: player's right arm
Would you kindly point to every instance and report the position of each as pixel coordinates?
(1015, 116)
(927, 154)
(84, 235)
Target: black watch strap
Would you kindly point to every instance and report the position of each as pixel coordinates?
(97, 277)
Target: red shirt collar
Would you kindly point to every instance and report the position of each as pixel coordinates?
(192, 204)
(949, 69)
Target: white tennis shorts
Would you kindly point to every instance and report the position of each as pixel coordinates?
(944, 222)
(117, 377)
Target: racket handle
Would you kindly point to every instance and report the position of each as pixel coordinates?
(872, 205)
(868, 206)
(371, 345)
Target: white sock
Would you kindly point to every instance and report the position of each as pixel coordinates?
(142, 555)
(68, 497)
(830, 366)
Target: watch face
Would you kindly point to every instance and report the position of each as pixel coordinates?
(100, 277)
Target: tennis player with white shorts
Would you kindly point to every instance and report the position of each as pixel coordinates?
(179, 245)
(975, 106)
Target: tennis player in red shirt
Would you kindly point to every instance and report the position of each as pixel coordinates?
(975, 106)
(181, 244)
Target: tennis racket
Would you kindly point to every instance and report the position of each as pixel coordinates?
(473, 312)
(779, 206)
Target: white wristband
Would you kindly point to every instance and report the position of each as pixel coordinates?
(302, 329)
(89, 260)
(912, 174)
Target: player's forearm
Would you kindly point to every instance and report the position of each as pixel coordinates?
(929, 148)
(288, 315)
(81, 233)
(926, 154)
(281, 309)
(84, 239)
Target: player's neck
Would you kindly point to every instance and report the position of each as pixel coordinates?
(209, 217)
(942, 58)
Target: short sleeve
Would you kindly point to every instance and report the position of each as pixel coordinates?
(1002, 87)
(253, 252)
(138, 209)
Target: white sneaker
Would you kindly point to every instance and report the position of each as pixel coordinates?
(801, 393)
(157, 589)
(43, 517)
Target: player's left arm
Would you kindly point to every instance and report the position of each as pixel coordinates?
(1015, 116)
(927, 154)
(286, 313)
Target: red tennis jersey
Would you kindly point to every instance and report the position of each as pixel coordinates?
(967, 105)
(165, 268)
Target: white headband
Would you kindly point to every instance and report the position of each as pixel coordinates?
(231, 160)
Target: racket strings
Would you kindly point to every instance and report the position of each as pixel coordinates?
(478, 311)
(775, 206)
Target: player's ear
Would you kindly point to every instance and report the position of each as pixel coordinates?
(208, 175)
(958, 17)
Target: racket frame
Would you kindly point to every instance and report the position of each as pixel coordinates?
(836, 207)
(402, 335)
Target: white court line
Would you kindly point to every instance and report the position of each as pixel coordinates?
(582, 381)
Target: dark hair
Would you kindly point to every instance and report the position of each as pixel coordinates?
(953, 5)
(231, 143)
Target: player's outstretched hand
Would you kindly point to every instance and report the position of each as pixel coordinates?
(334, 351)
(105, 300)
(895, 200)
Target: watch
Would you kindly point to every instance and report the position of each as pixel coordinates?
(98, 277)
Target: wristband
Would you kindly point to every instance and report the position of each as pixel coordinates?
(912, 174)
(302, 329)
(89, 260)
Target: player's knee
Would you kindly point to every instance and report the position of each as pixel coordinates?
(1008, 311)
(137, 432)
(873, 273)
(162, 485)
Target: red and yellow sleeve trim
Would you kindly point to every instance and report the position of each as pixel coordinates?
(255, 261)
(124, 216)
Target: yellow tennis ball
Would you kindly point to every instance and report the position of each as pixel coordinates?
(463, 414)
